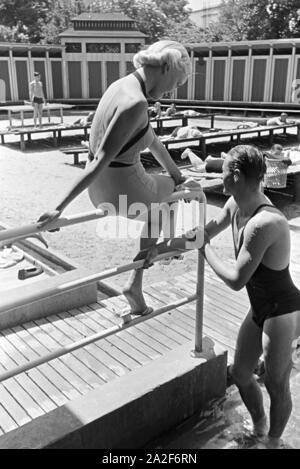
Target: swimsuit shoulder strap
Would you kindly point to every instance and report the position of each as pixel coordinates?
(141, 82)
(253, 214)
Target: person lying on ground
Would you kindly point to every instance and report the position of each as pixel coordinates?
(282, 119)
(86, 120)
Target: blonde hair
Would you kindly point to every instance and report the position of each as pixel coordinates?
(164, 52)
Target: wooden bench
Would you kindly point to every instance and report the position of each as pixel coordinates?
(55, 130)
(229, 107)
(75, 151)
(233, 133)
(184, 120)
(146, 157)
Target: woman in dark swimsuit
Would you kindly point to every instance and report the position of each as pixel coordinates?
(262, 246)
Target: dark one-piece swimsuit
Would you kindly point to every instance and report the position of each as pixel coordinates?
(271, 292)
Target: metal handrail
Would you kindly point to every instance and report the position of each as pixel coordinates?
(92, 338)
(19, 233)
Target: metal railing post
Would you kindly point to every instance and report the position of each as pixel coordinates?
(200, 293)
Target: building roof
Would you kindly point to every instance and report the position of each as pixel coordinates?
(29, 45)
(107, 34)
(276, 43)
(102, 17)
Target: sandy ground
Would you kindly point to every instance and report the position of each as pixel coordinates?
(32, 181)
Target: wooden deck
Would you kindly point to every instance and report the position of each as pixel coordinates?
(42, 389)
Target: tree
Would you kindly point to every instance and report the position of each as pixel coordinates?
(185, 32)
(24, 14)
(257, 19)
(17, 33)
(148, 16)
(284, 18)
(175, 10)
(59, 18)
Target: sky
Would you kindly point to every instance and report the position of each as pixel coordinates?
(194, 4)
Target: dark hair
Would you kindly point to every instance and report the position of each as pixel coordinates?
(277, 147)
(249, 160)
(36, 74)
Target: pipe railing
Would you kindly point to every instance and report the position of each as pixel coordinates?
(25, 231)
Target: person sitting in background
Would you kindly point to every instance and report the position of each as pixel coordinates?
(282, 119)
(155, 110)
(86, 120)
(171, 111)
(277, 153)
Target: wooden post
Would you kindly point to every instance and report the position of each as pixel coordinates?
(22, 142)
(203, 147)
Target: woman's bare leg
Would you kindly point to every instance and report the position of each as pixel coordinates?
(133, 290)
(279, 334)
(248, 351)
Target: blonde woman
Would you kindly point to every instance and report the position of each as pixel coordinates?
(120, 131)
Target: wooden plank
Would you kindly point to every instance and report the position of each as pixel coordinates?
(85, 355)
(174, 317)
(232, 322)
(139, 331)
(157, 326)
(85, 317)
(214, 323)
(164, 342)
(30, 407)
(38, 377)
(99, 355)
(126, 336)
(189, 310)
(116, 348)
(7, 424)
(212, 296)
(219, 324)
(49, 370)
(71, 361)
(166, 323)
(61, 367)
(12, 407)
(237, 300)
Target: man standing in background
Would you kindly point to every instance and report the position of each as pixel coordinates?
(37, 98)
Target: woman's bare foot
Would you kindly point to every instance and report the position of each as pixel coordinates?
(260, 428)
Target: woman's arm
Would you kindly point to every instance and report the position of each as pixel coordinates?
(162, 155)
(258, 237)
(222, 220)
(214, 227)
